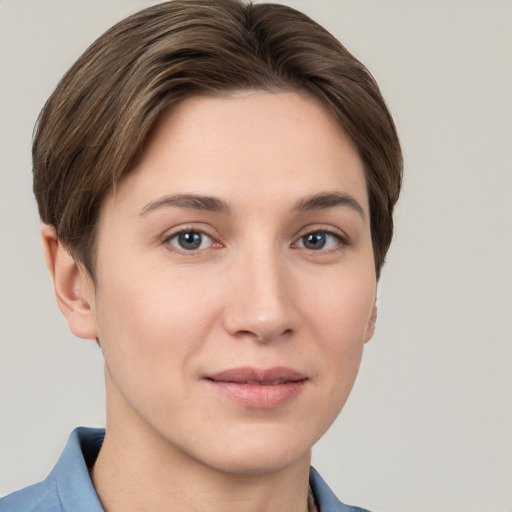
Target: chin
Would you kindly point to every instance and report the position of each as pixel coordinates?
(265, 452)
(260, 462)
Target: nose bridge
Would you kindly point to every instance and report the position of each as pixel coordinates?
(261, 303)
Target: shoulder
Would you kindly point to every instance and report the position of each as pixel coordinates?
(325, 499)
(68, 487)
(40, 497)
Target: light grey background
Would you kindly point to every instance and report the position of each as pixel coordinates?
(429, 424)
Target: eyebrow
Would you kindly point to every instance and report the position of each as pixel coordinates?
(326, 200)
(193, 201)
(319, 201)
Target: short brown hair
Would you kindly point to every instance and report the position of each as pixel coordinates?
(99, 116)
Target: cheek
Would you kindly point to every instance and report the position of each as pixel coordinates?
(340, 325)
(340, 304)
(150, 332)
(337, 316)
(152, 323)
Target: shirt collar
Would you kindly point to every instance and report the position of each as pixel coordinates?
(71, 473)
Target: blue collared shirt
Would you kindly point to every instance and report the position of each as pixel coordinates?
(68, 487)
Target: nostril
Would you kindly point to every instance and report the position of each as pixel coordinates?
(265, 336)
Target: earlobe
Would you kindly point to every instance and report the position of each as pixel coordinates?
(73, 286)
(371, 324)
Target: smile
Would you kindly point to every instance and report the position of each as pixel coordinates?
(258, 388)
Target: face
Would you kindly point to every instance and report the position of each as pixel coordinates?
(235, 282)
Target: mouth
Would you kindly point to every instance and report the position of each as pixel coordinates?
(258, 376)
(274, 382)
(258, 388)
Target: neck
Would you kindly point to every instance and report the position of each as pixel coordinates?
(138, 470)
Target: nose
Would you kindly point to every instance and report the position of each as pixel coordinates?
(261, 304)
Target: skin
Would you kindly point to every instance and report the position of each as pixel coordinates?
(253, 294)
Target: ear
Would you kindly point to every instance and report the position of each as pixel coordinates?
(74, 289)
(370, 329)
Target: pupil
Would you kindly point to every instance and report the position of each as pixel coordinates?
(314, 240)
(190, 241)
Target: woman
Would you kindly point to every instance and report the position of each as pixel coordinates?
(216, 183)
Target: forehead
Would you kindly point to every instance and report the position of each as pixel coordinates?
(278, 144)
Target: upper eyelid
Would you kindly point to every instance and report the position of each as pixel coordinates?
(203, 235)
(172, 232)
(341, 240)
(322, 228)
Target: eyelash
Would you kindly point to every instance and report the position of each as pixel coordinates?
(189, 231)
(341, 241)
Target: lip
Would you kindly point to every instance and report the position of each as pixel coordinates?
(258, 388)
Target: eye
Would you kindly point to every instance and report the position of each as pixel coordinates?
(318, 240)
(190, 240)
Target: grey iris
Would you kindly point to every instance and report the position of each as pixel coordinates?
(190, 240)
(314, 241)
